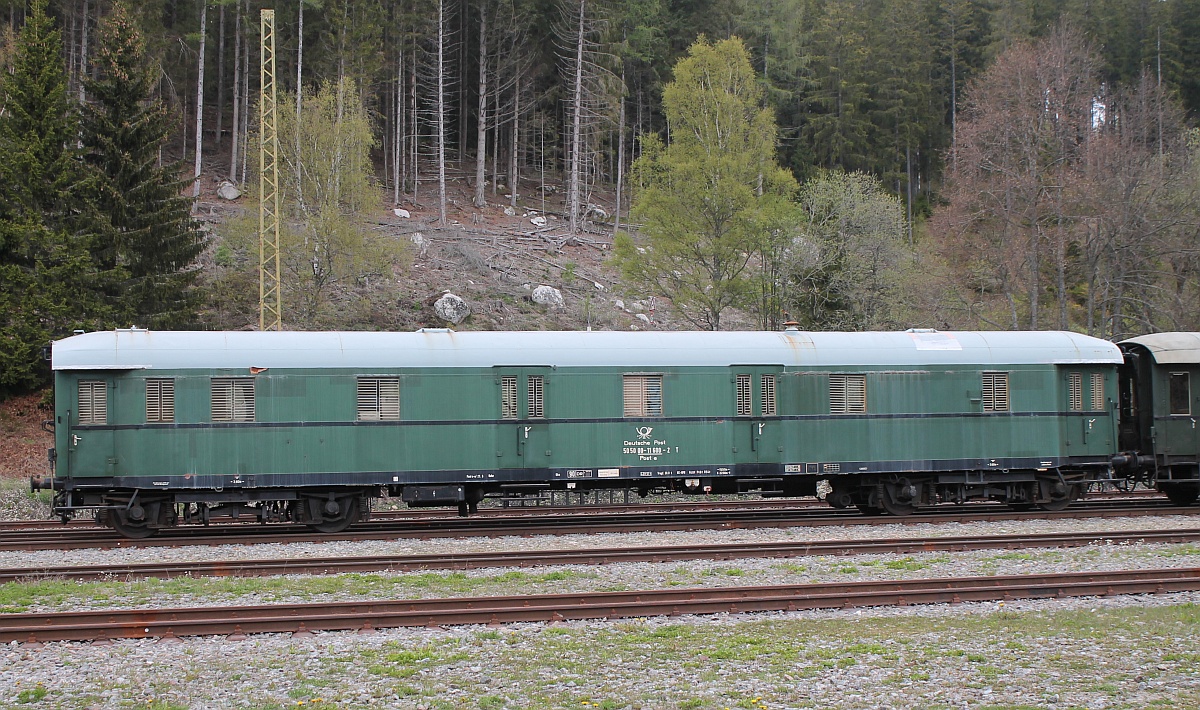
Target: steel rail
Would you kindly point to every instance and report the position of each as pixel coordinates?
(368, 615)
(75, 537)
(601, 556)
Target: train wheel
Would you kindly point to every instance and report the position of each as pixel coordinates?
(895, 508)
(1181, 494)
(899, 498)
(1055, 504)
(1060, 495)
(134, 530)
(346, 514)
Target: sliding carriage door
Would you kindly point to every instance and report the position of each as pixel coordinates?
(523, 436)
(758, 435)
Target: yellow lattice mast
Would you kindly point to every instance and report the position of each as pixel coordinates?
(270, 300)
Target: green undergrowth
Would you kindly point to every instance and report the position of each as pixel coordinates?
(802, 663)
(55, 593)
(50, 593)
(1120, 659)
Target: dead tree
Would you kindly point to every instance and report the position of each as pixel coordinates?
(590, 86)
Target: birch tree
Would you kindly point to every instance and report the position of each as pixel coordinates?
(328, 248)
(200, 98)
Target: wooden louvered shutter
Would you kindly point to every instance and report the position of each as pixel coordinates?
(744, 398)
(378, 399)
(847, 394)
(643, 395)
(222, 399)
(232, 399)
(160, 400)
(1076, 391)
(768, 395)
(995, 391)
(537, 404)
(1098, 391)
(508, 397)
(93, 402)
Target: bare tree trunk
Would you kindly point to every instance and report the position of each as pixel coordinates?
(220, 78)
(576, 126)
(83, 52)
(237, 87)
(954, 94)
(496, 138)
(463, 18)
(413, 154)
(342, 41)
(397, 140)
(73, 78)
(482, 124)
(620, 156)
(299, 100)
(513, 177)
(245, 102)
(440, 118)
(200, 100)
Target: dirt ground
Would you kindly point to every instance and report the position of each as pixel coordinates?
(23, 443)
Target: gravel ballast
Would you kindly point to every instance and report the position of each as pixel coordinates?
(1114, 652)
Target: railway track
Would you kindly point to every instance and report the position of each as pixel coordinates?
(544, 522)
(237, 621)
(532, 558)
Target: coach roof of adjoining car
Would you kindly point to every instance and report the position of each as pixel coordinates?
(137, 349)
(1170, 348)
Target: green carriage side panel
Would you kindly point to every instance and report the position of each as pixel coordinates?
(923, 405)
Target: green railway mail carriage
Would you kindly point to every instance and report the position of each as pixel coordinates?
(1160, 406)
(155, 428)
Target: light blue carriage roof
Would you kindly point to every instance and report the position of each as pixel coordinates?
(177, 350)
(1170, 348)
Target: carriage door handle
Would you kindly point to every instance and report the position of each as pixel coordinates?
(75, 440)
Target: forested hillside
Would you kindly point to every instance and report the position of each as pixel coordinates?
(931, 163)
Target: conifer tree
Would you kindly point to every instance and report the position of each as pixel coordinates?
(49, 283)
(148, 228)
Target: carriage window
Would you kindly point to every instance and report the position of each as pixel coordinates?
(743, 396)
(1180, 393)
(537, 407)
(643, 395)
(160, 400)
(768, 395)
(847, 394)
(995, 391)
(1098, 391)
(232, 399)
(1076, 388)
(378, 399)
(508, 397)
(93, 402)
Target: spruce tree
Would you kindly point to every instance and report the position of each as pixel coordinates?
(48, 284)
(147, 225)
